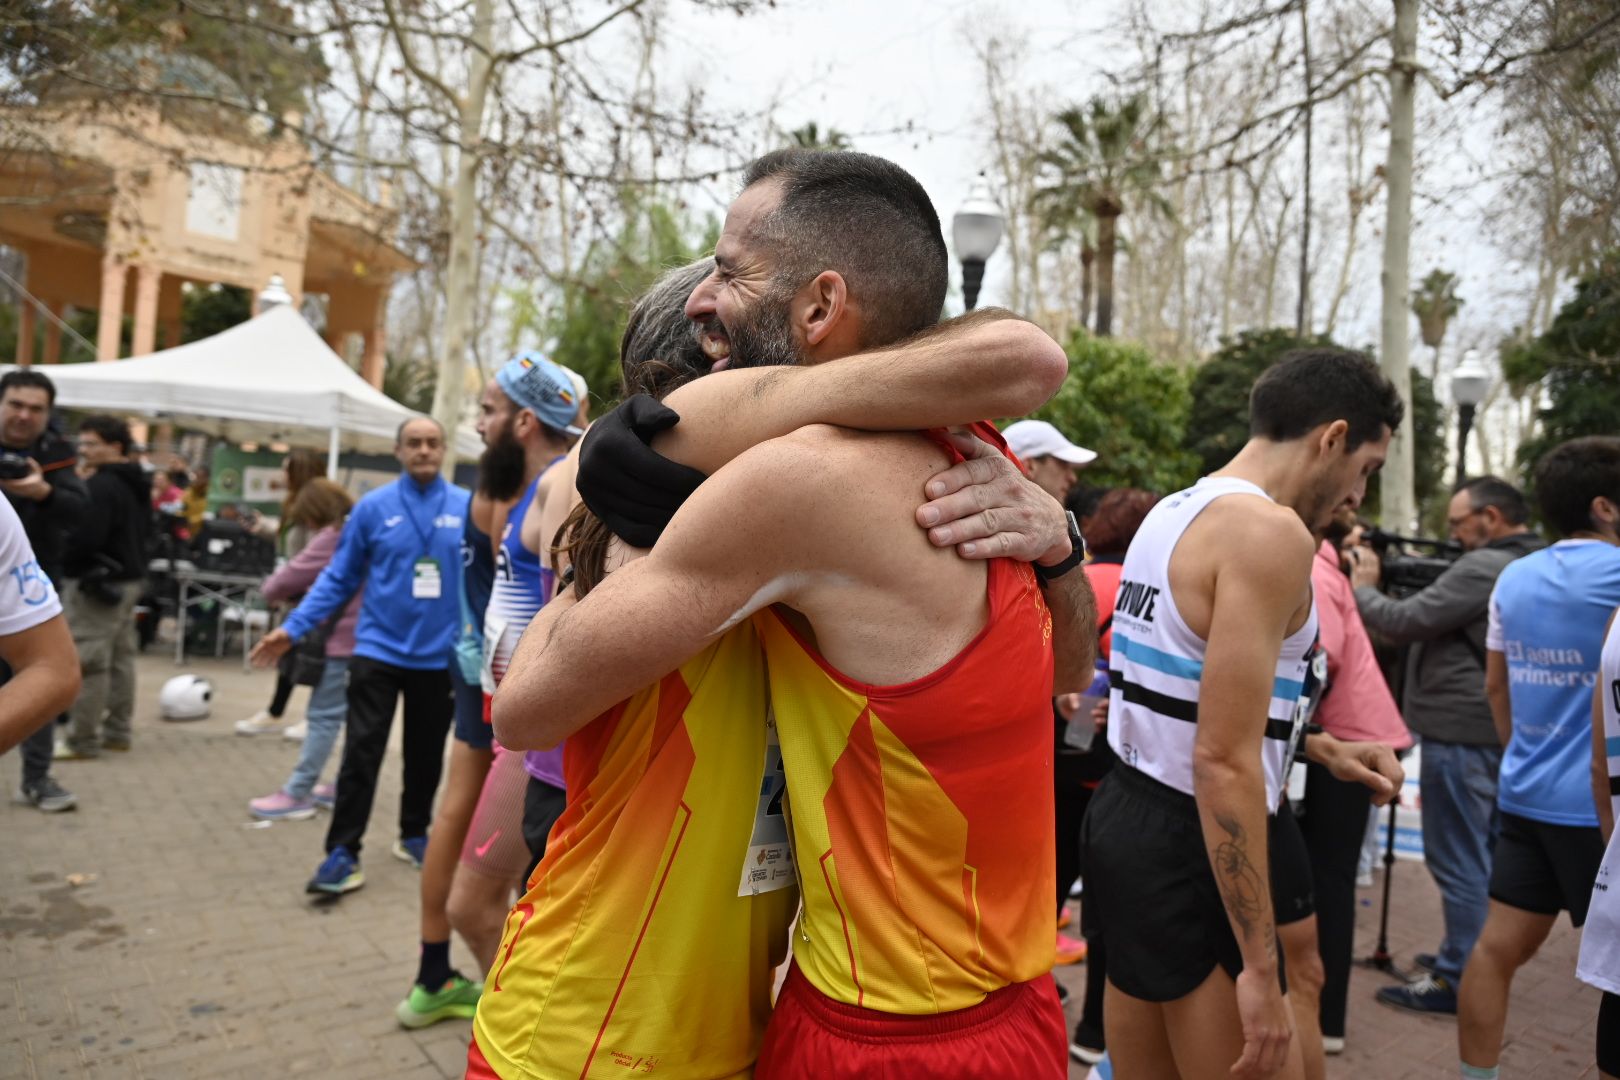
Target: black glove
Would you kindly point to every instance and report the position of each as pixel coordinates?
(633, 489)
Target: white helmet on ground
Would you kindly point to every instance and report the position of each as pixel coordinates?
(186, 697)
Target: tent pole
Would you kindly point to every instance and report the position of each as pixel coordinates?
(332, 456)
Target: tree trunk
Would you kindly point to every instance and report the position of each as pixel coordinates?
(1107, 221)
(1088, 259)
(460, 278)
(1399, 502)
(1302, 325)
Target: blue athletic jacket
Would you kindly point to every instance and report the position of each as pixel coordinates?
(390, 535)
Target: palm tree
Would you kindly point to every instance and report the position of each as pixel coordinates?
(1436, 303)
(1062, 219)
(1103, 159)
(811, 137)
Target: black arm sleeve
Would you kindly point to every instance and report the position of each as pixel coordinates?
(623, 481)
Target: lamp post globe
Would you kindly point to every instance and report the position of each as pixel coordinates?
(274, 294)
(1469, 385)
(975, 231)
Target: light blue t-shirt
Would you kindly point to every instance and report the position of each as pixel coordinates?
(1548, 613)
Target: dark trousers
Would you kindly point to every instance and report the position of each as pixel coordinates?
(278, 700)
(374, 689)
(36, 753)
(1334, 821)
(1073, 797)
(37, 749)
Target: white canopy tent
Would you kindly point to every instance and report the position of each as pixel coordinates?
(270, 379)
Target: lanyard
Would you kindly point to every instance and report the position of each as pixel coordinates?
(426, 534)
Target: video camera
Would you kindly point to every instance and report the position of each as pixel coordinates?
(14, 466)
(1405, 574)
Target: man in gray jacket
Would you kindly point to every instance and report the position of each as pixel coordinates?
(1444, 702)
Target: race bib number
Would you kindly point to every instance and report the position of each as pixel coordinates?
(427, 583)
(768, 862)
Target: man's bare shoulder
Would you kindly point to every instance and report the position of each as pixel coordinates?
(1244, 530)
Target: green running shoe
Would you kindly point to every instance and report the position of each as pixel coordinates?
(456, 998)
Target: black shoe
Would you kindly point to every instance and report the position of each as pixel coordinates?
(1088, 1046)
(1426, 961)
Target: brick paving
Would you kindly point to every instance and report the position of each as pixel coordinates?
(193, 951)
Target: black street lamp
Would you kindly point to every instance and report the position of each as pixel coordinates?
(1469, 384)
(976, 230)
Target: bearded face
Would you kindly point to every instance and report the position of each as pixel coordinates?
(500, 467)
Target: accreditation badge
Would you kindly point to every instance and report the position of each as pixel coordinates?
(427, 583)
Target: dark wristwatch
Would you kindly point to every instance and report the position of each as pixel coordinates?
(1045, 575)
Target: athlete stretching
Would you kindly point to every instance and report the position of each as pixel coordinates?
(1212, 634)
(911, 688)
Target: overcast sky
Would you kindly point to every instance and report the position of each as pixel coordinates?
(867, 69)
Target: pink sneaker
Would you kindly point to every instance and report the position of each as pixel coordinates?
(1070, 950)
(281, 807)
(324, 795)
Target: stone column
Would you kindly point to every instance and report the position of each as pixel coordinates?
(111, 315)
(53, 333)
(171, 333)
(25, 331)
(147, 280)
(375, 357)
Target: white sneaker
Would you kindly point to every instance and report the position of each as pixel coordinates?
(258, 724)
(1333, 1045)
(295, 732)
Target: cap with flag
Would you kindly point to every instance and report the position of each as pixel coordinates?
(544, 387)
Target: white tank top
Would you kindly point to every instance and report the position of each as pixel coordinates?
(1157, 661)
(1599, 963)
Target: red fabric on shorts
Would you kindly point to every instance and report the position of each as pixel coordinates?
(477, 1067)
(1015, 1033)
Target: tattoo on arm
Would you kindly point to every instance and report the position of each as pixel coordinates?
(1240, 883)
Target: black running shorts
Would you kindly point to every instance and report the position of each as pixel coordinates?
(1545, 869)
(1150, 892)
(1293, 893)
(543, 804)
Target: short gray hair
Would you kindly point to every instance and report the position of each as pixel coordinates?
(866, 218)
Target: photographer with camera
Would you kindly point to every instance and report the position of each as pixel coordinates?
(38, 478)
(1444, 703)
(106, 563)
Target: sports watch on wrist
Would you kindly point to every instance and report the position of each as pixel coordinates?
(1045, 575)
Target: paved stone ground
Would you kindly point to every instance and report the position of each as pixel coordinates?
(193, 951)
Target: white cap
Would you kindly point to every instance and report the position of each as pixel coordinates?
(1030, 439)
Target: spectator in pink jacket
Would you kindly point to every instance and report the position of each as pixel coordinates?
(320, 507)
(1357, 706)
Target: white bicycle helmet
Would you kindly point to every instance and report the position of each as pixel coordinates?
(186, 697)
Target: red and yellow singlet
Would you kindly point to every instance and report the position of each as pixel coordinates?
(922, 814)
(632, 953)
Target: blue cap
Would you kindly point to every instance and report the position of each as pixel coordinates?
(543, 387)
